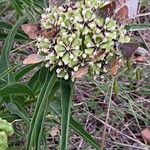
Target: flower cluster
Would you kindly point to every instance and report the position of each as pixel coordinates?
(5, 130)
(85, 39)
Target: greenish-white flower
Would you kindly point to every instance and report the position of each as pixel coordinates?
(84, 38)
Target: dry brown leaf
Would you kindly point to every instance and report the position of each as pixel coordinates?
(114, 67)
(122, 14)
(146, 134)
(99, 53)
(128, 49)
(33, 59)
(81, 72)
(32, 30)
(54, 131)
(49, 33)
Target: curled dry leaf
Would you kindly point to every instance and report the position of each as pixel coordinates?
(128, 49)
(146, 135)
(32, 30)
(81, 72)
(33, 59)
(115, 66)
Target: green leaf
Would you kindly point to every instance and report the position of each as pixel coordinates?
(80, 130)
(17, 37)
(56, 108)
(67, 94)
(54, 90)
(7, 26)
(10, 70)
(27, 2)
(137, 27)
(38, 79)
(38, 118)
(4, 59)
(24, 70)
(2, 1)
(17, 6)
(30, 14)
(16, 148)
(16, 89)
(9, 117)
(19, 111)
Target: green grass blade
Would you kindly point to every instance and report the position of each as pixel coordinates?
(16, 89)
(55, 106)
(40, 110)
(4, 60)
(67, 94)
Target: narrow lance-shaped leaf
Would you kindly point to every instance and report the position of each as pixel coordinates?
(15, 89)
(40, 111)
(23, 71)
(67, 95)
(40, 127)
(137, 27)
(4, 60)
(5, 73)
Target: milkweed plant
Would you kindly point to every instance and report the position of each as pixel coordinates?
(84, 39)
